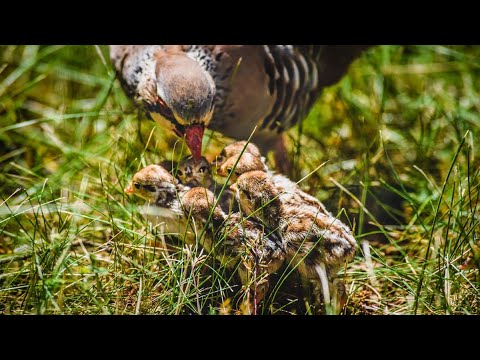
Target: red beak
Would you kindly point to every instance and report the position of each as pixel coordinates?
(194, 137)
(129, 190)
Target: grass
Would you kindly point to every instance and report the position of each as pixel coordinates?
(399, 134)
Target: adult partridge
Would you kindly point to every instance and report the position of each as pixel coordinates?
(229, 88)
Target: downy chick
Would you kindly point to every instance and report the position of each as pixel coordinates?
(236, 148)
(316, 243)
(195, 173)
(161, 190)
(192, 173)
(290, 192)
(235, 241)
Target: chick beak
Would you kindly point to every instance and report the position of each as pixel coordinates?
(129, 190)
(234, 187)
(193, 138)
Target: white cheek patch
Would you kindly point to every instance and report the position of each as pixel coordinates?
(160, 92)
(159, 212)
(167, 185)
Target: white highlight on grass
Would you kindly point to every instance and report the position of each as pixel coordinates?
(447, 285)
(369, 263)
(322, 274)
(139, 298)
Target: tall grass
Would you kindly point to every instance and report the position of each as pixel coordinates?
(399, 133)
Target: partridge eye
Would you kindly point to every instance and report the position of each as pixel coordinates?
(165, 111)
(203, 169)
(149, 188)
(137, 185)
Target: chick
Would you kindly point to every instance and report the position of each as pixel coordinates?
(316, 243)
(193, 174)
(235, 241)
(236, 148)
(248, 162)
(156, 185)
(290, 192)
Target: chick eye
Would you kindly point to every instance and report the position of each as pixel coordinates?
(203, 169)
(137, 185)
(149, 188)
(180, 173)
(220, 158)
(229, 170)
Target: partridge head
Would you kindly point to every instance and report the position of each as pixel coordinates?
(199, 174)
(175, 90)
(184, 97)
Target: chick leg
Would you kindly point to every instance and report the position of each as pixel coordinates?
(337, 288)
(340, 293)
(322, 274)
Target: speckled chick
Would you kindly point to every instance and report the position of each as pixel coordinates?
(289, 191)
(317, 244)
(195, 173)
(192, 173)
(236, 148)
(235, 241)
(161, 190)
